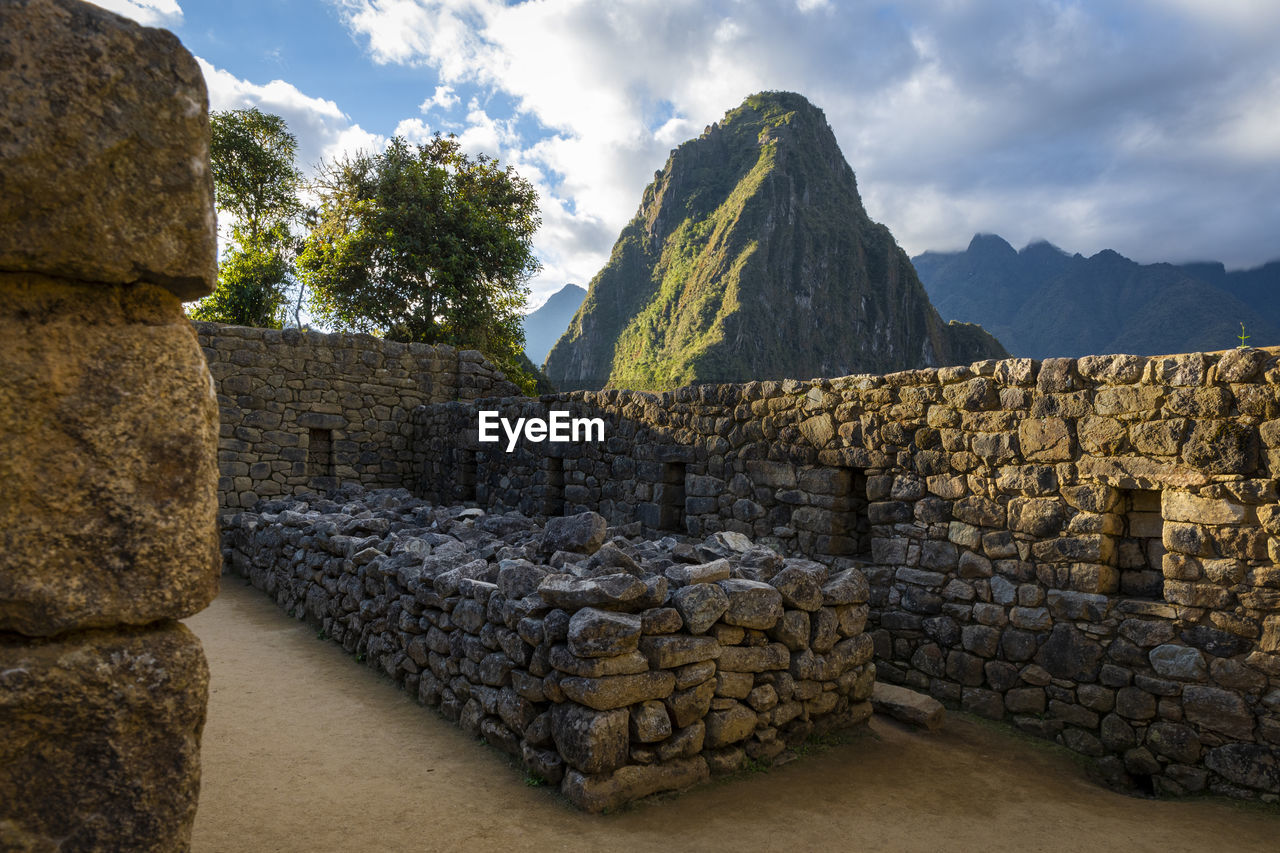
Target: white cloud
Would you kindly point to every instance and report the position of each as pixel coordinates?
(150, 13)
(322, 129)
(1091, 125)
(444, 97)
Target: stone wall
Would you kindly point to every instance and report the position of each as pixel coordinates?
(304, 410)
(1083, 547)
(615, 669)
(108, 430)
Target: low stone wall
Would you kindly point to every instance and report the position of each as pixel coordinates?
(108, 430)
(1084, 547)
(303, 410)
(615, 669)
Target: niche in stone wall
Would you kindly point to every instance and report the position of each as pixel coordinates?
(1140, 549)
(553, 490)
(319, 452)
(835, 522)
(669, 495)
(464, 481)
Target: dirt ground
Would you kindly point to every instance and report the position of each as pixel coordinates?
(305, 750)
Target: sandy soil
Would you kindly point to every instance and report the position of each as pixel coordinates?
(305, 750)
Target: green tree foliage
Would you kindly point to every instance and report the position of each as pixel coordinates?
(254, 176)
(249, 291)
(423, 243)
(255, 180)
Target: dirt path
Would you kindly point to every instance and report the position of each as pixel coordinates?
(305, 750)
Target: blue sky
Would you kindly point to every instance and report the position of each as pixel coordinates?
(1151, 127)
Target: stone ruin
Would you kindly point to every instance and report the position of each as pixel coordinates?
(108, 430)
(608, 665)
(1084, 548)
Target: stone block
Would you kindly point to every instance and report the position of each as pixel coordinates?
(601, 634)
(108, 452)
(101, 739)
(618, 691)
(592, 741)
(601, 792)
(908, 706)
(104, 168)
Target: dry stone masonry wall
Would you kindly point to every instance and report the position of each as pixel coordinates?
(609, 665)
(108, 430)
(304, 410)
(1083, 547)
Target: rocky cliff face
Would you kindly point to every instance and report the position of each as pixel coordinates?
(751, 257)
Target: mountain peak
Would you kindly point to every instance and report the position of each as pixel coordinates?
(992, 245)
(751, 257)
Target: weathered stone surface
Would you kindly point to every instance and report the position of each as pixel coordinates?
(668, 652)
(626, 664)
(601, 634)
(911, 707)
(1180, 662)
(801, 587)
(688, 706)
(104, 170)
(618, 691)
(1248, 764)
(685, 575)
(848, 587)
(108, 447)
(607, 592)
(700, 605)
(583, 533)
(729, 726)
(650, 722)
(754, 658)
(602, 792)
(1068, 653)
(752, 604)
(101, 739)
(591, 741)
(1219, 710)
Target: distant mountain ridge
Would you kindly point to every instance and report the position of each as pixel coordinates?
(544, 326)
(1043, 302)
(751, 257)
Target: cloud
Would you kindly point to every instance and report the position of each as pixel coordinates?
(322, 129)
(150, 13)
(444, 98)
(1149, 127)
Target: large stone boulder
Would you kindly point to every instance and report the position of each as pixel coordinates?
(108, 452)
(104, 162)
(101, 738)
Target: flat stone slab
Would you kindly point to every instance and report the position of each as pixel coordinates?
(908, 706)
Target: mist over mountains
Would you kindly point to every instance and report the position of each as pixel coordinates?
(544, 326)
(1043, 302)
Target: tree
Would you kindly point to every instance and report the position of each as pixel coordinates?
(423, 243)
(255, 180)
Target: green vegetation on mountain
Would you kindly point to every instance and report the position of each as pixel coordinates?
(1043, 302)
(751, 257)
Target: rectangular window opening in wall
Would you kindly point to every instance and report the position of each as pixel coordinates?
(553, 491)
(833, 520)
(320, 453)
(464, 484)
(1140, 550)
(670, 497)
(857, 534)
